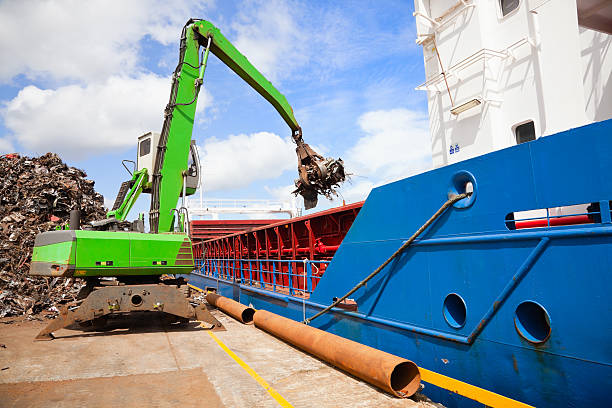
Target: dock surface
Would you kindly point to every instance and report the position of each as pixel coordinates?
(142, 363)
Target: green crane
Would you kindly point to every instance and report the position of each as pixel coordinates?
(115, 248)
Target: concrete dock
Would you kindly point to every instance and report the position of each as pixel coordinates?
(150, 363)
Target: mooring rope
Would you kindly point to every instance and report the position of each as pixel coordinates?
(452, 200)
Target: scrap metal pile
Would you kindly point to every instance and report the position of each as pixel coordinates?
(37, 194)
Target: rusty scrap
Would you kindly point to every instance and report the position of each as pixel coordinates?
(393, 374)
(36, 195)
(237, 310)
(317, 175)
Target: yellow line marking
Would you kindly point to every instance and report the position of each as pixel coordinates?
(459, 387)
(470, 391)
(195, 287)
(281, 401)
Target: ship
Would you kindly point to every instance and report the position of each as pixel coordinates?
(503, 299)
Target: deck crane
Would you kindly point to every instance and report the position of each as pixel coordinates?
(167, 167)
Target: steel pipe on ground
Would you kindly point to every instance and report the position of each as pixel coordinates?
(237, 310)
(388, 372)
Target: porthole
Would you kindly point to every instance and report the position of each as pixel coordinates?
(532, 322)
(454, 311)
(463, 182)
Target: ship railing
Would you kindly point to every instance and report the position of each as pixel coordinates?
(295, 277)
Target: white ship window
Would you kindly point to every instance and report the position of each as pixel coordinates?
(145, 147)
(525, 132)
(508, 6)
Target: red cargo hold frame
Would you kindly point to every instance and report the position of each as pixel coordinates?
(212, 229)
(287, 256)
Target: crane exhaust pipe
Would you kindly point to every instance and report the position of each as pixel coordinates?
(393, 374)
(75, 219)
(237, 310)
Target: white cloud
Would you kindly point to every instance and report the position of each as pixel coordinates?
(108, 202)
(85, 40)
(80, 121)
(241, 159)
(355, 190)
(396, 145)
(6, 146)
(270, 35)
(282, 193)
(285, 195)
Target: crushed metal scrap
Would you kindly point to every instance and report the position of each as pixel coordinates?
(318, 175)
(37, 194)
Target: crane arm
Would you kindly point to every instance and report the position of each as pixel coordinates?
(317, 175)
(128, 194)
(230, 56)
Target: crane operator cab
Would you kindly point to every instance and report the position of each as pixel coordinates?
(142, 180)
(146, 160)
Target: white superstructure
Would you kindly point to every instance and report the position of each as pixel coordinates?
(500, 72)
(214, 207)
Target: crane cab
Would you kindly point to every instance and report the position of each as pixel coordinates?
(147, 153)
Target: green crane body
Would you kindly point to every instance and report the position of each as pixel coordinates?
(83, 253)
(92, 253)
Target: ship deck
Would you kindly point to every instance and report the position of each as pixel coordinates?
(142, 363)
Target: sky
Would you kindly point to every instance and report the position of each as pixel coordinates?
(84, 79)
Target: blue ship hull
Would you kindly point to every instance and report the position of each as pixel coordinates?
(537, 323)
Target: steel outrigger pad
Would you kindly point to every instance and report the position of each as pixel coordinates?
(110, 300)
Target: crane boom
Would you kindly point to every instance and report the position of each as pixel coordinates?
(317, 175)
(230, 56)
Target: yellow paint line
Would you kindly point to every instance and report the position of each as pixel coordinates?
(279, 398)
(470, 391)
(195, 287)
(459, 387)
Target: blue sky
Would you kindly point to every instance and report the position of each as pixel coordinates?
(94, 75)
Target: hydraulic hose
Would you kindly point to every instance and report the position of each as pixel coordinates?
(163, 139)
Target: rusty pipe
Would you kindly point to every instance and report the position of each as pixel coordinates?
(236, 310)
(390, 373)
